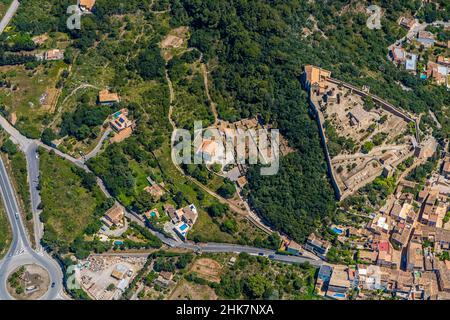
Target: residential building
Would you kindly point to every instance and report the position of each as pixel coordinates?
(440, 237)
(426, 38)
(323, 279)
(403, 213)
(166, 275)
(107, 98)
(183, 219)
(54, 54)
(411, 62)
(325, 272)
(408, 23)
(368, 256)
(190, 214)
(119, 120)
(445, 61)
(293, 247)
(339, 283)
(443, 275)
(86, 5)
(171, 212)
(398, 55)
(162, 282)
(401, 233)
(415, 259)
(379, 225)
(115, 215)
(428, 216)
(369, 277)
(387, 256)
(317, 246)
(446, 169)
(155, 191)
(400, 283)
(438, 73)
(422, 195)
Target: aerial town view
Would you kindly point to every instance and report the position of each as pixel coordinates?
(241, 150)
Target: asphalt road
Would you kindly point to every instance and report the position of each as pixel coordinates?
(21, 251)
(33, 176)
(99, 145)
(226, 247)
(9, 14)
(13, 260)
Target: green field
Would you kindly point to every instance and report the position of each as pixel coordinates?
(23, 97)
(16, 166)
(191, 102)
(4, 4)
(19, 171)
(5, 231)
(68, 207)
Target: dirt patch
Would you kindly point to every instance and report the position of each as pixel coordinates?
(172, 41)
(175, 38)
(207, 269)
(49, 99)
(191, 291)
(122, 135)
(29, 282)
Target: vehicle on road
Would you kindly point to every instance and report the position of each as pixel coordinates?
(17, 216)
(261, 253)
(271, 256)
(53, 285)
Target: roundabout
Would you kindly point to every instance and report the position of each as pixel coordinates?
(21, 253)
(28, 282)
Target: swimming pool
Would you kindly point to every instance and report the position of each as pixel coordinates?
(337, 230)
(339, 295)
(183, 227)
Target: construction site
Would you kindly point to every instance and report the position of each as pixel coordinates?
(105, 277)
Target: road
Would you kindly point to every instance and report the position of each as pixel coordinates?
(8, 15)
(99, 145)
(248, 213)
(227, 248)
(30, 148)
(21, 252)
(33, 177)
(222, 247)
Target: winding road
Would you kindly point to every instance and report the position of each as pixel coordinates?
(8, 15)
(21, 252)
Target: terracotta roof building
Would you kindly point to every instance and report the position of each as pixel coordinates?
(87, 4)
(115, 215)
(106, 97)
(54, 54)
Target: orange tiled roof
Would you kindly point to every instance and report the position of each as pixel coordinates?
(106, 96)
(88, 4)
